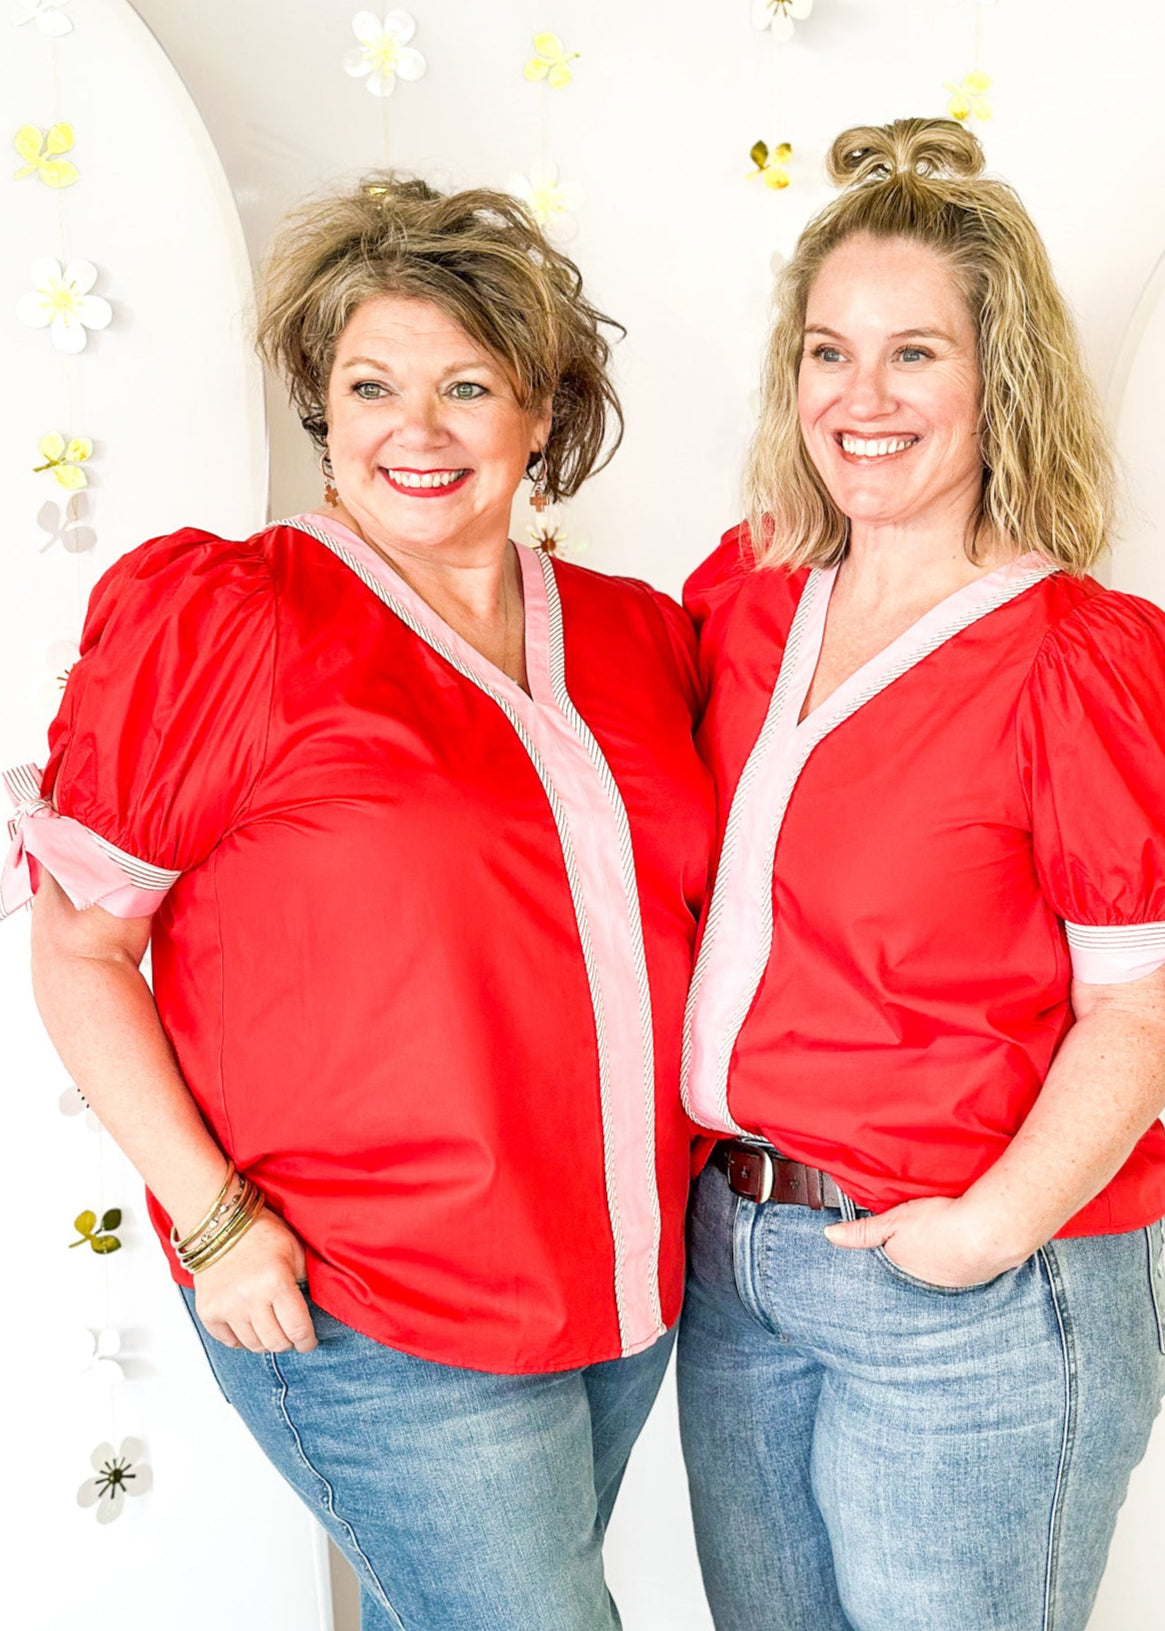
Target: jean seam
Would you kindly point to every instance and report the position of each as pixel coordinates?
(330, 1494)
(1155, 1245)
(1051, 1265)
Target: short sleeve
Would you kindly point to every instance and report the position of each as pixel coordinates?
(161, 732)
(1091, 744)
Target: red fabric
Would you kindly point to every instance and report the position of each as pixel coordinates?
(918, 984)
(370, 969)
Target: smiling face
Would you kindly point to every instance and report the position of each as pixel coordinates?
(427, 439)
(888, 387)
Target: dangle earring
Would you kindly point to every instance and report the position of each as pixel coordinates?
(331, 496)
(537, 474)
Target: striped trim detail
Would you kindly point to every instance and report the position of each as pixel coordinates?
(138, 872)
(583, 731)
(1142, 939)
(631, 1340)
(1115, 954)
(23, 784)
(778, 757)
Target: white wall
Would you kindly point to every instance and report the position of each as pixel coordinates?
(675, 240)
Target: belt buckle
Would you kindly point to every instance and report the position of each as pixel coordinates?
(754, 1171)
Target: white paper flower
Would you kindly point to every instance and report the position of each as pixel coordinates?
(119, 1473)
(47, 15)
(67, 525)
(384, 53)
(779, 16)
(551, 203)
(60, 301)
(97, 1353)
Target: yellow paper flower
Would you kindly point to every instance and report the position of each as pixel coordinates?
(772, 167)
(550, 61)
(65, 459)
(40, 151)
(969, 100)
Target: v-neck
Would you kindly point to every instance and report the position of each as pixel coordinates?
(738, 930)
(934, 628)
(415, 611)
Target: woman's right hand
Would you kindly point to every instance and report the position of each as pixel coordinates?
(251, 1297)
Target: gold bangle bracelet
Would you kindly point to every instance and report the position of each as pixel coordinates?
(184, 1244)
(221, 1247)
(250, 1203)
(247, 1204)
(206, 1241)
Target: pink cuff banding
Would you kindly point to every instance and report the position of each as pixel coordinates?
(91, 871)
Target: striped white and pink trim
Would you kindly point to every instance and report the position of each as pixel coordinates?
(91, 870)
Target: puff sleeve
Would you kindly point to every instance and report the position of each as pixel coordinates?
(161, 732)
(1091, 744)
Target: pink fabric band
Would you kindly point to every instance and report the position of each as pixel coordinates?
(87, 869)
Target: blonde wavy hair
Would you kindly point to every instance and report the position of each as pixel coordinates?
(1047, 469)
(482, 259)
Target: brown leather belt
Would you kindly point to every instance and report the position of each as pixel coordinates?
(757, 1172)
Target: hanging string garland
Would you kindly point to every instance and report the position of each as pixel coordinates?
(61, 300)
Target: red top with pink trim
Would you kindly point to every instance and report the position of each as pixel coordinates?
(910, 877)
(421, 941)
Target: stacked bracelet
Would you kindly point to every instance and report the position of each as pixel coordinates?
(232, 1212)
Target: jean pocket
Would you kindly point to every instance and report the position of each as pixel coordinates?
(1155, 1240)
(908, 1279)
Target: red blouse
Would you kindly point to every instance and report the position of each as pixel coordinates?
(909, 877)
(422, 940)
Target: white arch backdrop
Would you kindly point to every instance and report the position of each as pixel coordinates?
(675, 237)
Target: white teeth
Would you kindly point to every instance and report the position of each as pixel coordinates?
(431, 478)
(864, 449)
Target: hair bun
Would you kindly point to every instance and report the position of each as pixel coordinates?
(938, 149)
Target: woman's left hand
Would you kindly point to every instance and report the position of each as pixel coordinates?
(938, 1240)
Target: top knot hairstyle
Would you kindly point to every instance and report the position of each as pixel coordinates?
(1047, 470)
(481, 258)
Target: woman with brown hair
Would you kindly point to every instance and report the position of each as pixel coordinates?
(414, 823)
(927, 1023)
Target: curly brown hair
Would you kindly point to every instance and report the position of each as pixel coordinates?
(481, 258)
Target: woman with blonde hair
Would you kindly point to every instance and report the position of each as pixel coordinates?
(924, 1337)
(413, 819)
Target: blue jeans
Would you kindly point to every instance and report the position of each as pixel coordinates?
(870, 1453)
(461, 1499)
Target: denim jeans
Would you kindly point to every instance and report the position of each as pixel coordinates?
(461, 1499)
(870, 1453)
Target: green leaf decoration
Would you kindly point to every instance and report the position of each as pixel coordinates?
(759, 154)
(98, 1236)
